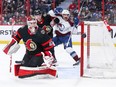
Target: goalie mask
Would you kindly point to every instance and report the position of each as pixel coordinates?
(32, 24)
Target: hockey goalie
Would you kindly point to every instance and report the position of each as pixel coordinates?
(38, 60)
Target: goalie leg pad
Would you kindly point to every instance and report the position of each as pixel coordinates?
(16, 69)
(32, 71)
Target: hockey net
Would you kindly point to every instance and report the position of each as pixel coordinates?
(99, 53)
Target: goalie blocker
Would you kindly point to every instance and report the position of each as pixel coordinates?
(12, 47)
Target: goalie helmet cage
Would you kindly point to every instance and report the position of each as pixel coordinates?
(98, 53)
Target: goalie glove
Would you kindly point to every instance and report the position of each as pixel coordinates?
(48, 58)
(11, 48)
(47, 29)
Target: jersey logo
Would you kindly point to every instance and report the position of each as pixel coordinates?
(30, 45)
(61, 27)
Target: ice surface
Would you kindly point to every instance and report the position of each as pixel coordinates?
(68, 76)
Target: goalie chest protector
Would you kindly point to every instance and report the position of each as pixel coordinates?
(34, 43)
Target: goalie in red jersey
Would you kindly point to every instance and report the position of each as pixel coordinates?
(38, 58)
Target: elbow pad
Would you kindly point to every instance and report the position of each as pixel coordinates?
(56, 20)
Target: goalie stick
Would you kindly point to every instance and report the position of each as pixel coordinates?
(78, 24)
(12, 32)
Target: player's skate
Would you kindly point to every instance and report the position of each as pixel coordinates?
(77, 62)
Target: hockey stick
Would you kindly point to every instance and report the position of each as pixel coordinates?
(78, 24)
(12, 32)
(81, 8)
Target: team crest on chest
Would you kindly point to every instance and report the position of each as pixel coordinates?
(61, 27)
(30, 45)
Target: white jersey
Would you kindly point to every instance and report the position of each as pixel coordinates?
(63, 27)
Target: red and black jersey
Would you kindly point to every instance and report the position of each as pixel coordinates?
(36, 43)
(46, 21)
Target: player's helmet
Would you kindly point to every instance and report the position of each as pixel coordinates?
(66, 12)
(38, 12)
(58, 10)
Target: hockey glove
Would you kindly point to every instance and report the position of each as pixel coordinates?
(76, 21)
(48, 58)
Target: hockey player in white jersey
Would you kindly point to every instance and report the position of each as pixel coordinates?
(63, 28)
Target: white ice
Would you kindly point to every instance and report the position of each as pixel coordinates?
(68, 76)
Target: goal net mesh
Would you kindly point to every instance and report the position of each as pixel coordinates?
(99, 52)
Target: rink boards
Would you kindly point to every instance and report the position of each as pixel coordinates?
(6, 31)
